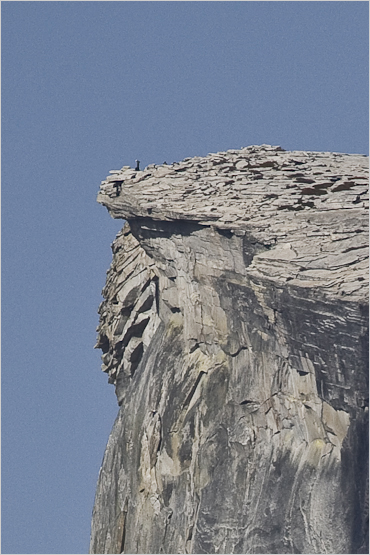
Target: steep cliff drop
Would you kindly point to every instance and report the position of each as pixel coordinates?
(234, 327)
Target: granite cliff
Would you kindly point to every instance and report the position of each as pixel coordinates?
(234, 328)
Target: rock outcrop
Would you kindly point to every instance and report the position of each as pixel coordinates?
(234, 328)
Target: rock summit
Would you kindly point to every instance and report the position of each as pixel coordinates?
(234, 327)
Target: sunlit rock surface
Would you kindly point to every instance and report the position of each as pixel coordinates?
(234, 327)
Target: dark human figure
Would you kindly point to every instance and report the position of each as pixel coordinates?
(137, 165)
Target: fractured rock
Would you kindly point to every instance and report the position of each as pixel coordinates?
(234, 328)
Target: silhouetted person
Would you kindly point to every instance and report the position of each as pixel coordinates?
(137, 165)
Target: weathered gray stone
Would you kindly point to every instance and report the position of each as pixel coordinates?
(234, 328)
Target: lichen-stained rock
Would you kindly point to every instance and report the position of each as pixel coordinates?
(234, 327)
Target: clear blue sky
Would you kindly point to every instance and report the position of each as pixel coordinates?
(88, 87)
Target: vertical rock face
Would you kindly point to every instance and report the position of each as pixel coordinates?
(234, 327)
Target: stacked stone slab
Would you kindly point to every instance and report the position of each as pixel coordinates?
(234, 327)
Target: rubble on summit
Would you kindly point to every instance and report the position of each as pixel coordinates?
(306, 208)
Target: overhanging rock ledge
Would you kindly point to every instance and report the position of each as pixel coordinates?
(234, 326)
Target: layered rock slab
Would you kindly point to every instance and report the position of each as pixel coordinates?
(237, 346)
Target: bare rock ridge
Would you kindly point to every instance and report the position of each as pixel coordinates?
(234, 327)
